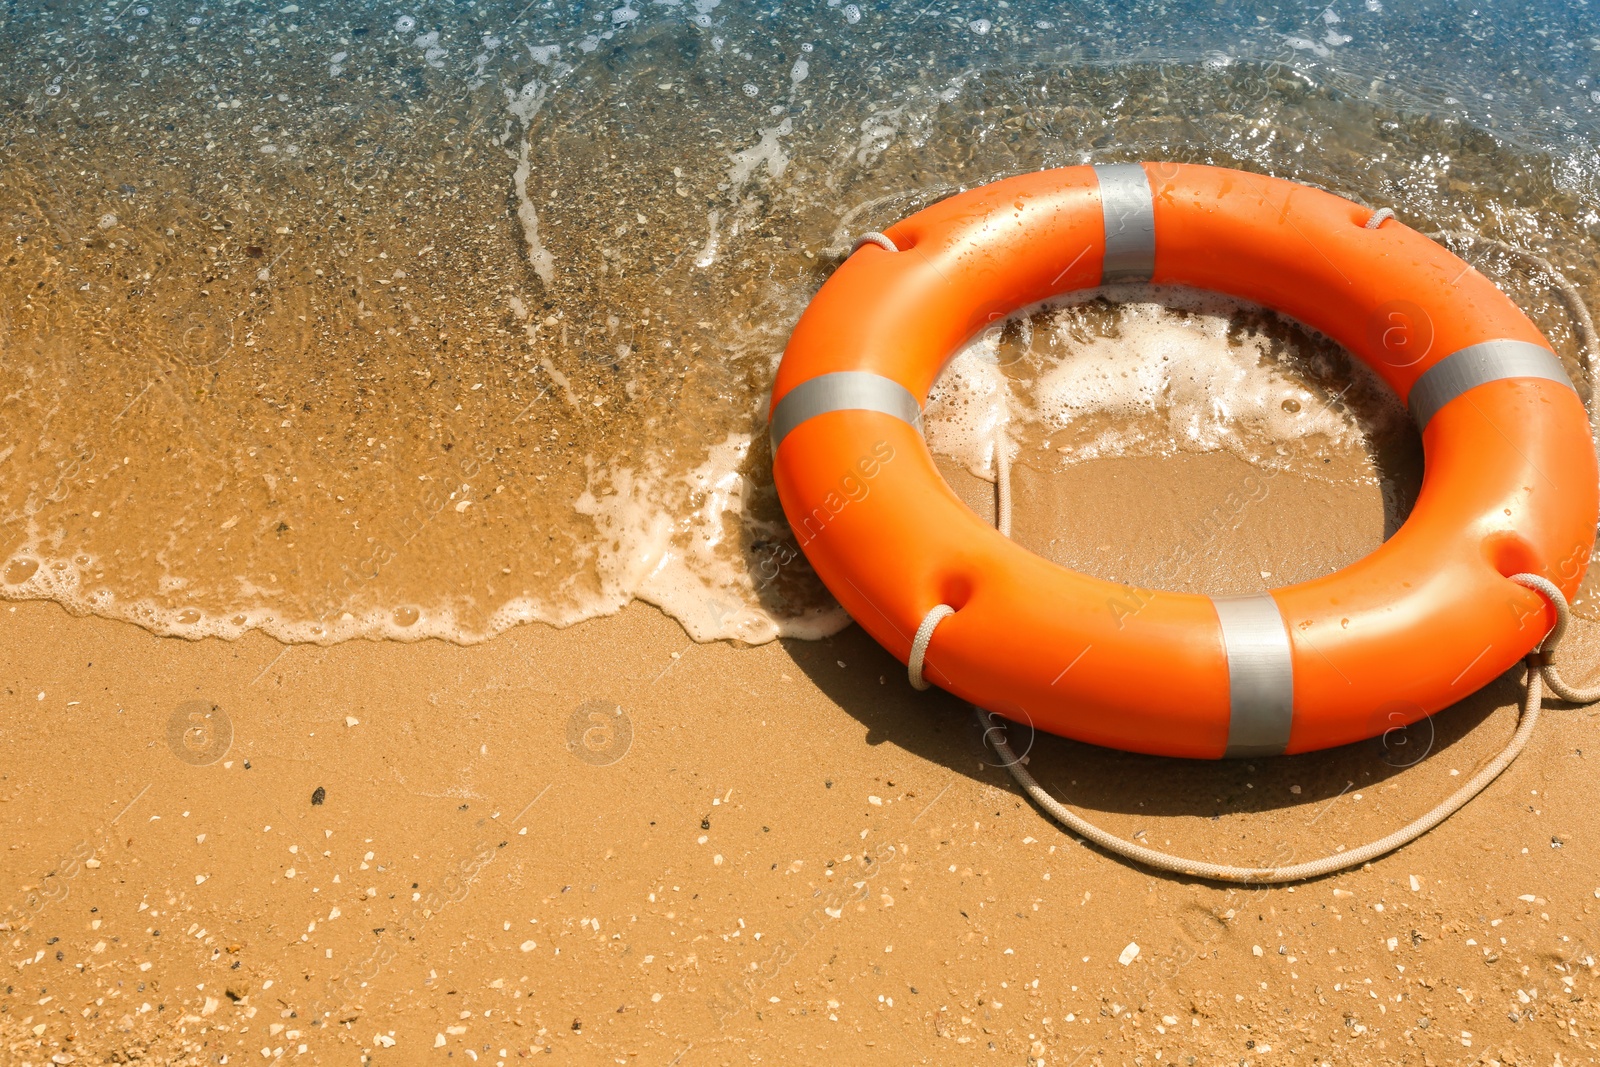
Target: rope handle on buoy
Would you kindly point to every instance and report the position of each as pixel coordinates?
(1541, 672)
(873, 237)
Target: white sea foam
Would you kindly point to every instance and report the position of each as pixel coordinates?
(525, 104)
(1173, 376)
(767, 154)
(689, 563)
(1170, 373)
(675, 541)
(970, 405)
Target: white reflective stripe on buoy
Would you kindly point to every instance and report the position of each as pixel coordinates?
(1480, 364)
(1260, 674)
(846, 390)
(1128, 208)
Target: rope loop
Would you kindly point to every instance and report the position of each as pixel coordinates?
(919, 644)
(1542, 660)
(874, 238)
(1379, 217)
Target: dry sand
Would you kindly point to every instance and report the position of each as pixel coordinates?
(431, 853)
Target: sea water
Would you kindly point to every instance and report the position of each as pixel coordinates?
(429, 319)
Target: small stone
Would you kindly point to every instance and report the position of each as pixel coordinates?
(1130, 953)
(318, 795)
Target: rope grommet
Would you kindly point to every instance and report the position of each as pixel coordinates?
(874, 238)
(1542, 659)
(919, 644)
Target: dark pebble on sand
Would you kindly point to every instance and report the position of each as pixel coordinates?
(318, 795)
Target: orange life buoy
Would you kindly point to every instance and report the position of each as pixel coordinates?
(1510, 483)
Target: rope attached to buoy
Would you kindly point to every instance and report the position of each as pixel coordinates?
(1541, 672)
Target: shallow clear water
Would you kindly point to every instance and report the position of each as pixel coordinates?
(340, 320)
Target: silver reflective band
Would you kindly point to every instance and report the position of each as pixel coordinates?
(1130, 218)
(1480, 364)
(845, 390)
(1260, 674)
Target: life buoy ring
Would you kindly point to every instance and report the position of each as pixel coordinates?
(1510, 483)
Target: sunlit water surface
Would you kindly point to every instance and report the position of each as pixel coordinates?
(341, 319)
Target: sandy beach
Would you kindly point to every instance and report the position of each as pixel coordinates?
(610, 844)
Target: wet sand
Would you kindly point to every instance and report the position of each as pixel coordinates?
(342, 321)
(773, 854)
